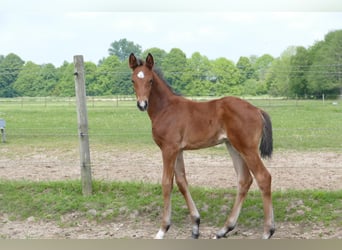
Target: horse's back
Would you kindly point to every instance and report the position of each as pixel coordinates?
(238, 110)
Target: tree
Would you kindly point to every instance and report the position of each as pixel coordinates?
(325, 72)
(250, 87)
(261, 65)
(173, 68)
(123, 48)
(90, 69)
(48, 79)
(108, 74)
(66, 81)
(245, 68)
(36, 80)
(256, 83)
(158, 55)
(197, 74)
(10, 67)
(27, 79)
(227, 77)
(300, 64)
(199, 88)
(278, 76)
(123, 80)
(198, 67)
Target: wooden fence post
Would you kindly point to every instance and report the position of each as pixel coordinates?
(82, 118)
(2, 129)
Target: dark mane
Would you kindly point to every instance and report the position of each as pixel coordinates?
(161, 76)
(140, 62)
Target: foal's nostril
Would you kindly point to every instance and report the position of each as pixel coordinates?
(142, 105)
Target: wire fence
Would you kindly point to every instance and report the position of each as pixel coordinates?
(57, 147)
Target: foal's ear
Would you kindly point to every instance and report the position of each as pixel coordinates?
(133, 63)
(149, 61)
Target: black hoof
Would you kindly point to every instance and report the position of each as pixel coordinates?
(195, 236)
(223, 233)
(195, 231)
(271, 232)
(219, 236)
(269, 235)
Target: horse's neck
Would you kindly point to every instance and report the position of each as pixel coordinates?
(160, 97)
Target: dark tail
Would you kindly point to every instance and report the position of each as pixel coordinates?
(266, 144)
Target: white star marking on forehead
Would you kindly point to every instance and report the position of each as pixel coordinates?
(141, 74)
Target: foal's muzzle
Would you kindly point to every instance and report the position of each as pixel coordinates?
(142, 105)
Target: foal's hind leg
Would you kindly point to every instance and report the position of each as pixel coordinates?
(183, 188)
(245, 180)
(263, 178)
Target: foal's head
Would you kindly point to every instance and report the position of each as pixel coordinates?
(142, 79)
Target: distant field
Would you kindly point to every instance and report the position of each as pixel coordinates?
(298, 125)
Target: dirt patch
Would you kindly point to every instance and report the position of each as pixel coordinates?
(140, 229)
(290, 170)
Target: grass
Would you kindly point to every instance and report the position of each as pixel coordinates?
(297, 125)
(307, 125)
(118, 200)
(55, 125)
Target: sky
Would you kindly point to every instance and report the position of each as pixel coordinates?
(45, 33)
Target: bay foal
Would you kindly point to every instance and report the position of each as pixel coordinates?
(180, 124)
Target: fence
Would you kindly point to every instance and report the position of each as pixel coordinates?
(42, 137)
(315, 112)
(115, 101)
(127, 100)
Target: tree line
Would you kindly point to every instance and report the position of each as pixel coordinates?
(297, 72)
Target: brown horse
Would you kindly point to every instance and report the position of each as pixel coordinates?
(180, 124)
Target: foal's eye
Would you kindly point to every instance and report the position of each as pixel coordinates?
(132, 81)
(151, 81)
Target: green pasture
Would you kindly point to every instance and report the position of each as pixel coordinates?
(52, 122)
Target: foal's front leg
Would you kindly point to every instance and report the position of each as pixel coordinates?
(183, 188)
(169, 159)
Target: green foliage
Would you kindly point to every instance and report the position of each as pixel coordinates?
(227, 77)
(298, 72)
(252, 87)
(10, 67)
(123, 48)
(278, 79)
(245, 68)
(200, 88)
(300, 63)
(173, 68)
(66, 82)
(107, 75)
(27, 79)
(90, 78)
(197, 76)
(36, 80)
(261, 66)
(325, 74)
(158, 55)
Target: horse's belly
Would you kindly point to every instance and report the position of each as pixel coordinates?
(203, 141)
